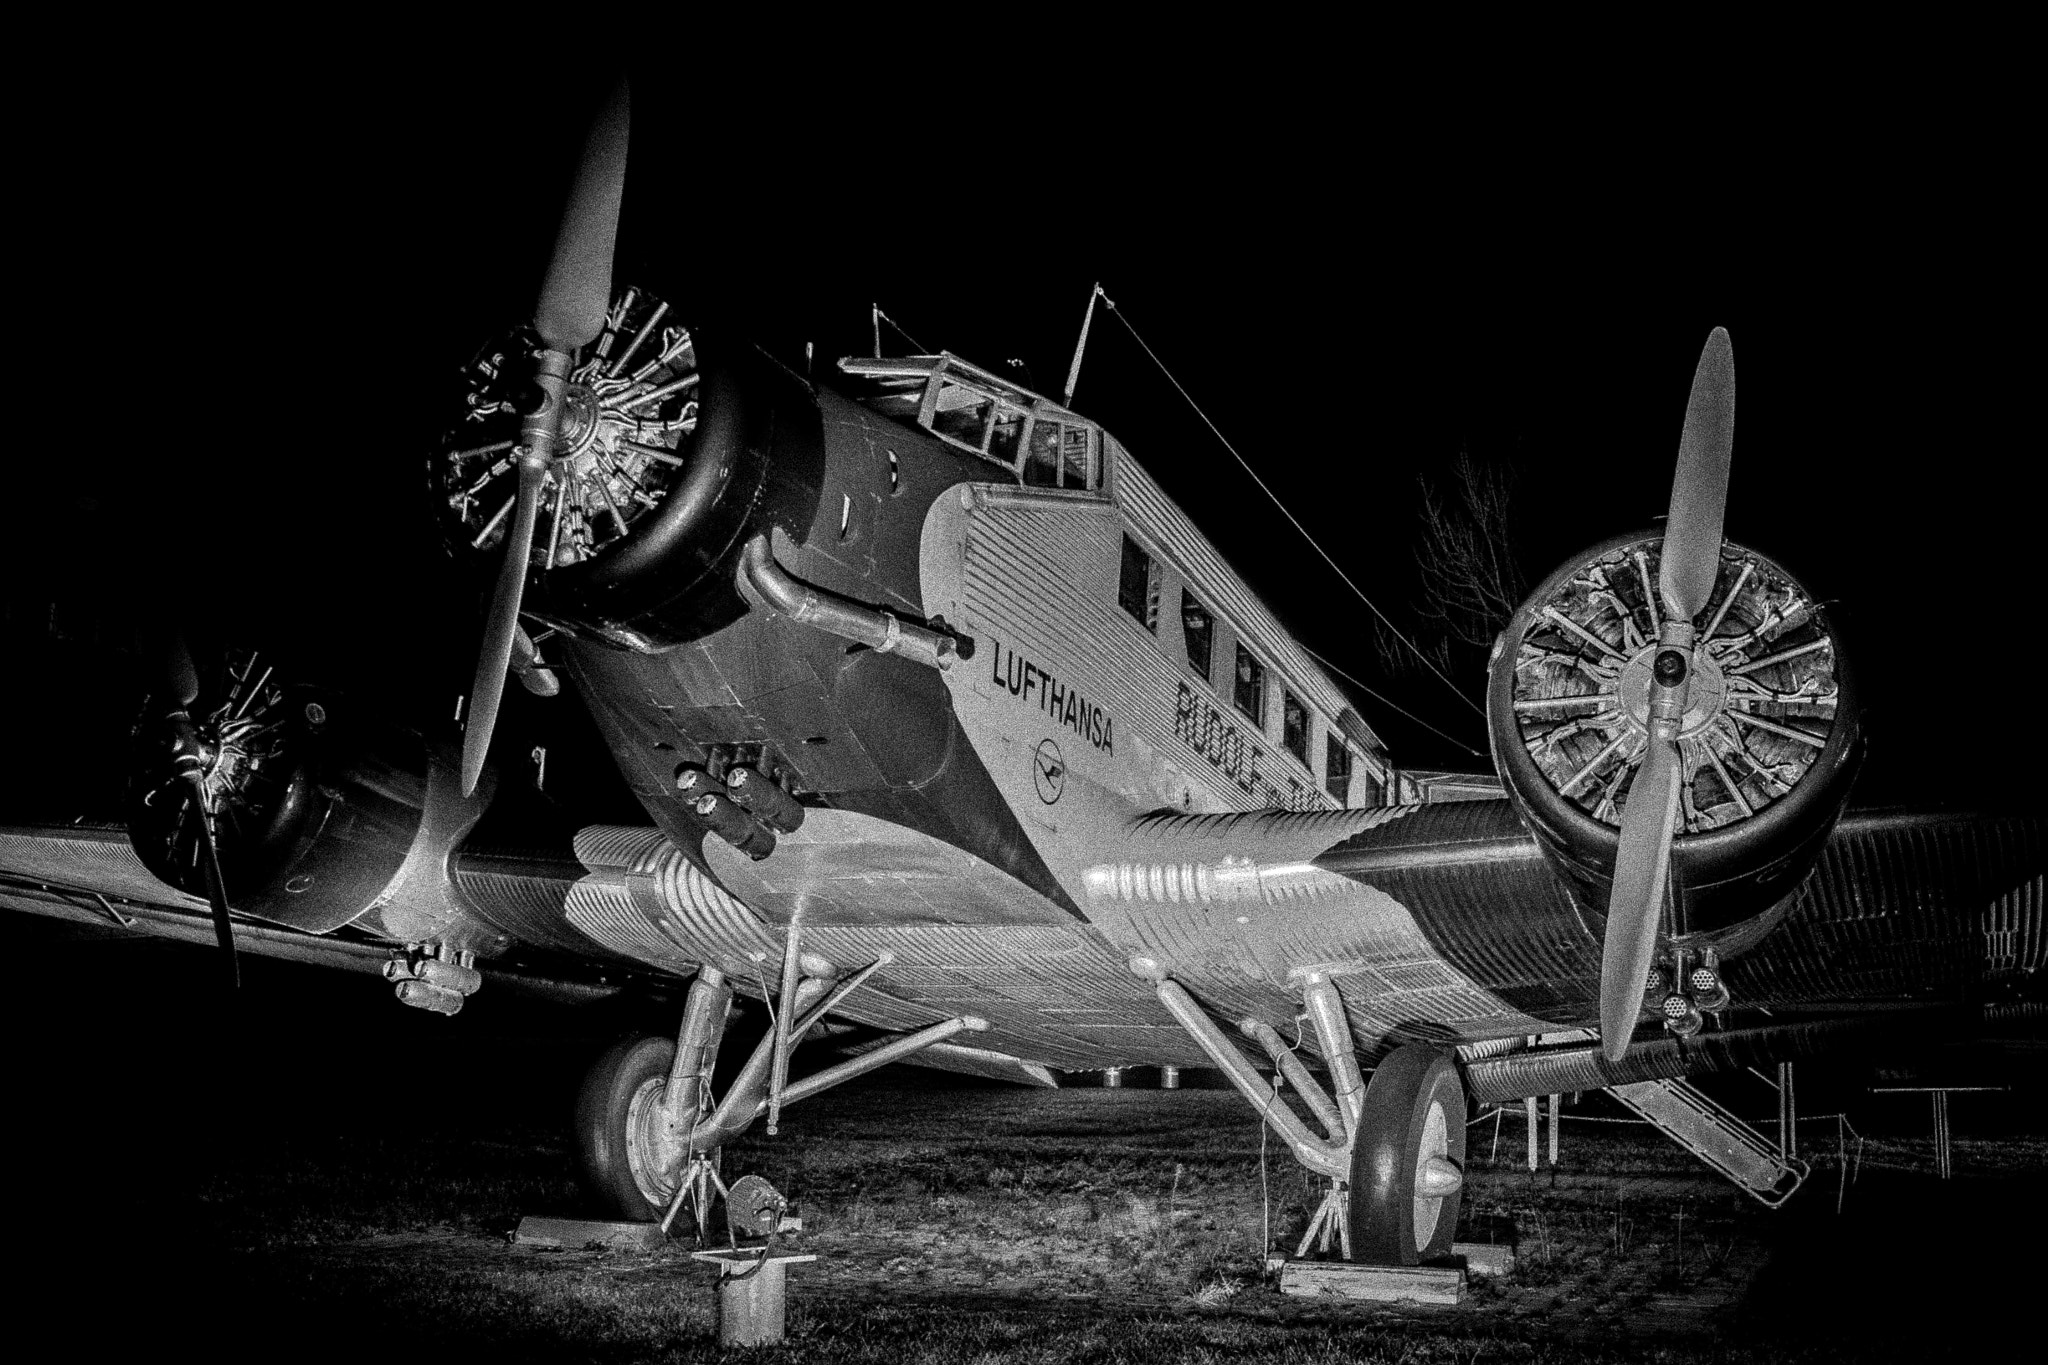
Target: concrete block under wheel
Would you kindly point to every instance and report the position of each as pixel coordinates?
(1373, 1283)
(575, 1234)
(1485, 1258)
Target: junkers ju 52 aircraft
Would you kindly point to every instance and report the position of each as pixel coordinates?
(948, 724)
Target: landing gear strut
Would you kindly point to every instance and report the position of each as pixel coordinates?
(647, 1132)
(638, 1118)
(1395, 1150)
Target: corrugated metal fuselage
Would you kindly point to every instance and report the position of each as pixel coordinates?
(1017, 827)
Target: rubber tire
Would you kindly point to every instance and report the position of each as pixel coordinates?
(601, 1110)
(1411, 1081)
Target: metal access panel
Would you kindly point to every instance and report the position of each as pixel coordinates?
(1715, 1136)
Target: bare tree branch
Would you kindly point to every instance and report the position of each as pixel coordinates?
(1398, 659)
(1471, 583)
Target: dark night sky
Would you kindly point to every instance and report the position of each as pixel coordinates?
(285, 275)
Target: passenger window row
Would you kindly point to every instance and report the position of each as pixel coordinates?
(1138, 590)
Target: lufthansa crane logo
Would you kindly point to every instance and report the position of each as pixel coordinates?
(1048, 771)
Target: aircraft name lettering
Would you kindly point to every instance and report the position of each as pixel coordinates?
(1212, 735)
(1215, 737)
(1065, 705)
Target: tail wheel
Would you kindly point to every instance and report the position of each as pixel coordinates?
(630, 1159)
(1407, 1166)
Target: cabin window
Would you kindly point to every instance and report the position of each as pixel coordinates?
(1294, 726)
(962, 414)
(1199, 628)
(1250, 689)
(1337, 771)
(1135, 590)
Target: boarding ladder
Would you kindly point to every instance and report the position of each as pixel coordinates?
(1716, 1137)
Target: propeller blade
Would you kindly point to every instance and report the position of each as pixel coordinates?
(216, 889)
(495, 657)
(578, 286)
(1699, 489)
(1642, 865)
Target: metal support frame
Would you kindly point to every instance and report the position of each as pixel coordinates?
(1333, 1036)
(1788, 1114)
(746, 1099)
(757, 1090)
(1298, 1075)
(1323, 1156)
(1944, 1152)
(782, 1025)
(703, 1029)
(1331, 1225)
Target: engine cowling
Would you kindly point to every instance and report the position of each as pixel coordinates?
(315, 807)
(676, 450)
(1770, 740)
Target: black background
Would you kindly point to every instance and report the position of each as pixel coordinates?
(254, 306)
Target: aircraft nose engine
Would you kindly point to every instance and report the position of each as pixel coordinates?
(1674, 717)
(674, 451)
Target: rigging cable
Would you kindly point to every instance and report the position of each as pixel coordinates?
(882, 317)
(1388, 704)
(1292, 520)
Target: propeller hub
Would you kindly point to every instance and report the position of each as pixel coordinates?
(579, 422)
(1706, 689)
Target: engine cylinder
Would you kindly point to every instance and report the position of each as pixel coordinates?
(1769, 740)
(676, 450)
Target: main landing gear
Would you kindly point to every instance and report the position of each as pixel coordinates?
(1393, 1151)
(648, 1132)
(1408, 1161)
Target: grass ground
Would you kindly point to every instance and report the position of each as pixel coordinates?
(338, 1193)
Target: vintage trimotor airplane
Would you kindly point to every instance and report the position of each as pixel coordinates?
(949, 724)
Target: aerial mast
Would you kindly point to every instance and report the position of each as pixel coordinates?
(1081, 345)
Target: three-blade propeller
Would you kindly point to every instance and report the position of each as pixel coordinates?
(1689, 565)
(573, 298)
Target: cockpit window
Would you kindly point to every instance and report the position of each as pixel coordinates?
(1040, 442)
(1075, 467)
(963, 414)
(1042, 460)
(1006, 434)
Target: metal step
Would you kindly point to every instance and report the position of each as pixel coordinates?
(1716, 1137)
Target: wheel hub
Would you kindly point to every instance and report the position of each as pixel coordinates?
(1430, 1157)
(653, 1149)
